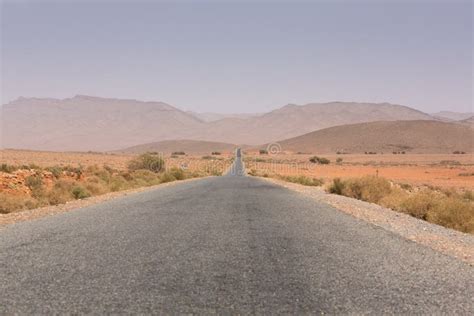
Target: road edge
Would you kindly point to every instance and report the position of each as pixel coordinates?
(441, 239)
(37, 213)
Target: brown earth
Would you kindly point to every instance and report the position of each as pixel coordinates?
(386, 137)
(439, 170)
(187, 146)
(15, 182)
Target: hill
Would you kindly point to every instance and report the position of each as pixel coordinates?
(468, 121)
(188, 146)
(294, 120)
(408, 136)
(452, 116)
(211, 117)
(84, 123)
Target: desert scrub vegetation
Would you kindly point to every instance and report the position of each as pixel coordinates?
(60, 184)
(447, 208)
(303, 180)
(148, 161)
(178, 153)
(320, 160)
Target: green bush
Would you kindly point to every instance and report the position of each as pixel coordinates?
(147, 161)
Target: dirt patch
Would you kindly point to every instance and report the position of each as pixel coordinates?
(446, 171)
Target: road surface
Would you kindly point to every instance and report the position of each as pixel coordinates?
(231, 244)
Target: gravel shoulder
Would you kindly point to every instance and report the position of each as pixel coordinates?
(447, 241)
(26, 215)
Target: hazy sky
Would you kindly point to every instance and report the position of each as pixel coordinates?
(241, 56)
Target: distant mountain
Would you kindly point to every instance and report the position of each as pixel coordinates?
(453, 116)
(188, 146)
(211, 117)
(468, 121)
(89, 123)
(85, 123)
(409, 136)
(293, 120)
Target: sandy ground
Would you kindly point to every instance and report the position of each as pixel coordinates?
(117, 161)
(447, 171)
(444, 240)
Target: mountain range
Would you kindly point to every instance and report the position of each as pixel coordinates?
(84, 123)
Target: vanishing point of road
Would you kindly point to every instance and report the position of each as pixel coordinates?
(229, 245)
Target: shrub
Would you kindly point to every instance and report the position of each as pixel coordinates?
(394, 198)
(35, 183)
(369, 188)
(339, 160)
(443, 207)
(468, 195)
(57, 171)
(263, 152)
(453, 213)
(147, 161)
(419, 204)
(11, 203)
(252, 172)
(336, 187)
(61, 192)
(303, 180)
(167, 177)
(95, 185)
(215, 153)
(79, 192)
(144, 178)
(178, 173)
(7, 168)
(319, 160)
(179, 153)
(118, 183)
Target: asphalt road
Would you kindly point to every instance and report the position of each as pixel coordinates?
(231, 244)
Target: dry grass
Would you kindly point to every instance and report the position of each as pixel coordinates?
(411, 169)
(303, 180)
(21, 187)
(443, 207)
